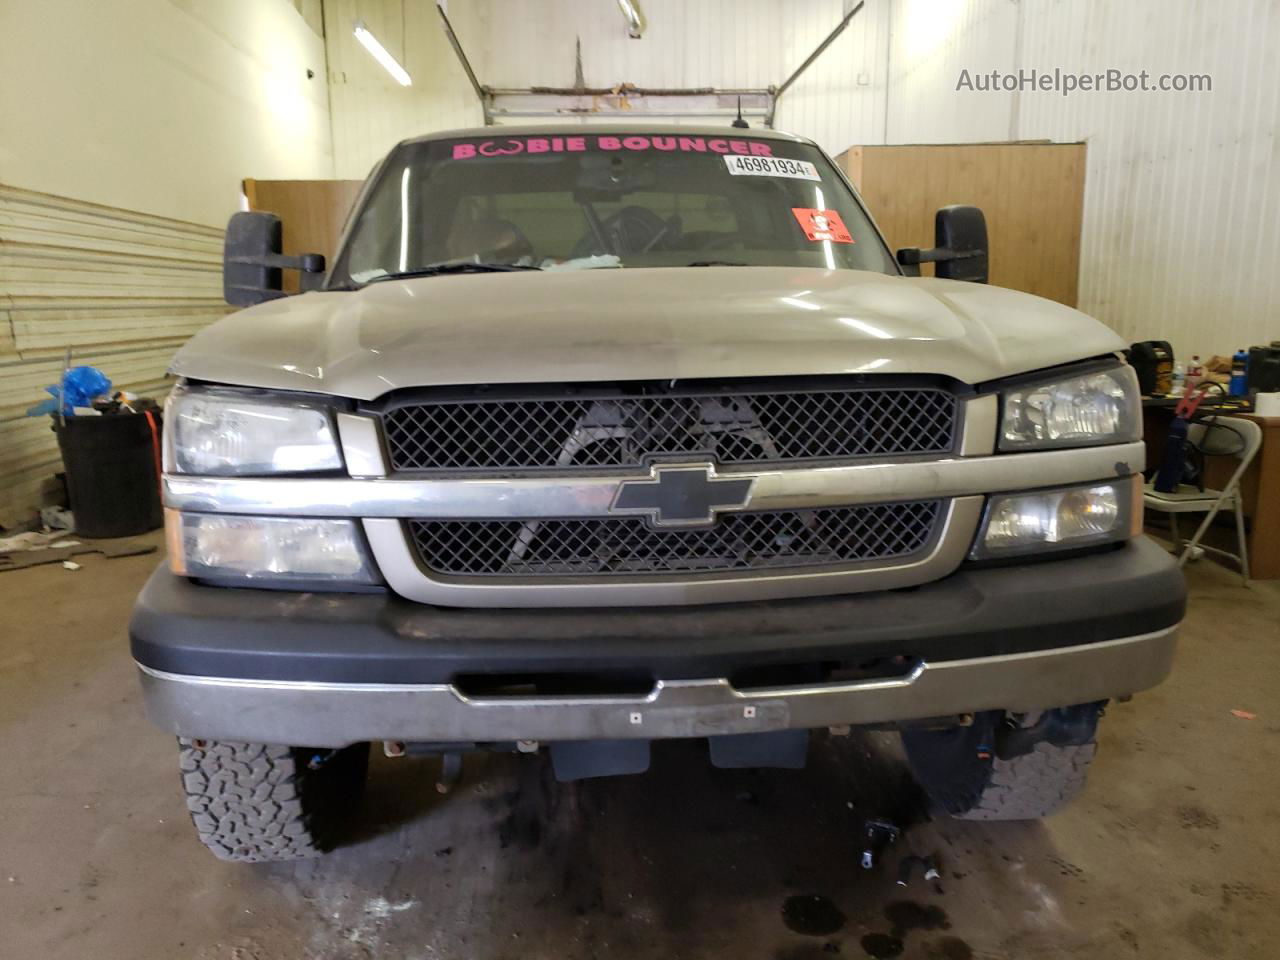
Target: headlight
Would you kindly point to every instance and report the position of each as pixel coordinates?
(267, 549)
(224, 432)
(1091, 408)
(1063, 519)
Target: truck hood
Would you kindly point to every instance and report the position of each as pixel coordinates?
(637, 324)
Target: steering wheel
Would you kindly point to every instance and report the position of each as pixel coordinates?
(631, 230)
(491, 239)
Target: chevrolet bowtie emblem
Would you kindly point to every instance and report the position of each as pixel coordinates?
(682, 495)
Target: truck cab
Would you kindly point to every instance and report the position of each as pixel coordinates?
(592, 436)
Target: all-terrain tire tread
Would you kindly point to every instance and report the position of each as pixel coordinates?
(1034, 784)
(248, 801)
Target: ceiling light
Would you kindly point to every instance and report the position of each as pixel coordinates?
(379, 53)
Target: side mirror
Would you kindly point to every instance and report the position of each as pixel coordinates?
(960, 246)
(252, 261)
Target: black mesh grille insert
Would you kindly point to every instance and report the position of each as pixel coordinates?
(616, 431)
(629, 546)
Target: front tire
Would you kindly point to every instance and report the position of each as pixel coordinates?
(1004, 766)
(256, 802)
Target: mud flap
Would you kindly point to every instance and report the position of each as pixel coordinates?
(787, 749)
(580, 759)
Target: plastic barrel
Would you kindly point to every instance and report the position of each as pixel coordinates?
(111, 473)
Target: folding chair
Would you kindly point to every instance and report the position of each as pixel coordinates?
(1217, 437)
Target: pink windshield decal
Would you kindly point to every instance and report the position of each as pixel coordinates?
(507, 146)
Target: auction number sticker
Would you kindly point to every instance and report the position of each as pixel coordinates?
(740, 165)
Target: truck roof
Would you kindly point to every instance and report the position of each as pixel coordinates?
(569, 129)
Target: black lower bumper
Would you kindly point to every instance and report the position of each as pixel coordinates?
(179, 627)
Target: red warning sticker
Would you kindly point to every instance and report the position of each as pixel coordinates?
(822, 225)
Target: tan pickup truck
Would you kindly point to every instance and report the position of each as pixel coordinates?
(594, 436)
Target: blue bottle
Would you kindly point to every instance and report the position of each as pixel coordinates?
(1239, 386)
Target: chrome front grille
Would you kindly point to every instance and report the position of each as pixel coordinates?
(628, 546)
(629, 426)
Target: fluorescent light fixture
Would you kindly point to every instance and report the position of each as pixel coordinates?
(379, 53)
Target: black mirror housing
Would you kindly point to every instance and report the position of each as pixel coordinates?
(963, 231)
(960, 246)
(252, 261)
(247, 278)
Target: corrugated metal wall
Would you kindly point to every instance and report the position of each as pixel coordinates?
(1182, 212)
(1182, 207)
(840, 100)
(722, 43)
(712, 43)
(930, 42)
(123, 289)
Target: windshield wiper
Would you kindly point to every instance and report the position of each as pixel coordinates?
(452, 266)
(716, 263)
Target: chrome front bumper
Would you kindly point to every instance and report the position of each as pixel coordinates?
(336, 714)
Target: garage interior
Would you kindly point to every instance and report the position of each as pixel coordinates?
(129, 134)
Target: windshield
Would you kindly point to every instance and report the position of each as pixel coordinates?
(557, 202)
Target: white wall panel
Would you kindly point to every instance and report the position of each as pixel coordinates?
(711, 43)
(930, 42)
(160, 105)
(840, 99)
(371, 112)
(1181, 208)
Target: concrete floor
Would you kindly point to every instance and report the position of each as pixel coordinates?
(1169, 854)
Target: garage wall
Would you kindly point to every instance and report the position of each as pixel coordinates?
(711, 43)
(1181, 202)
(724, 43)
(371, 112)
(842, 98)
(123, 289)
(721, 43)
(160, 106)
(125, 131)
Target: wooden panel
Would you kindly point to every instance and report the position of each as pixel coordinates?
(313, 213)
(123, 289)
(1032, 195)
(851, 162)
